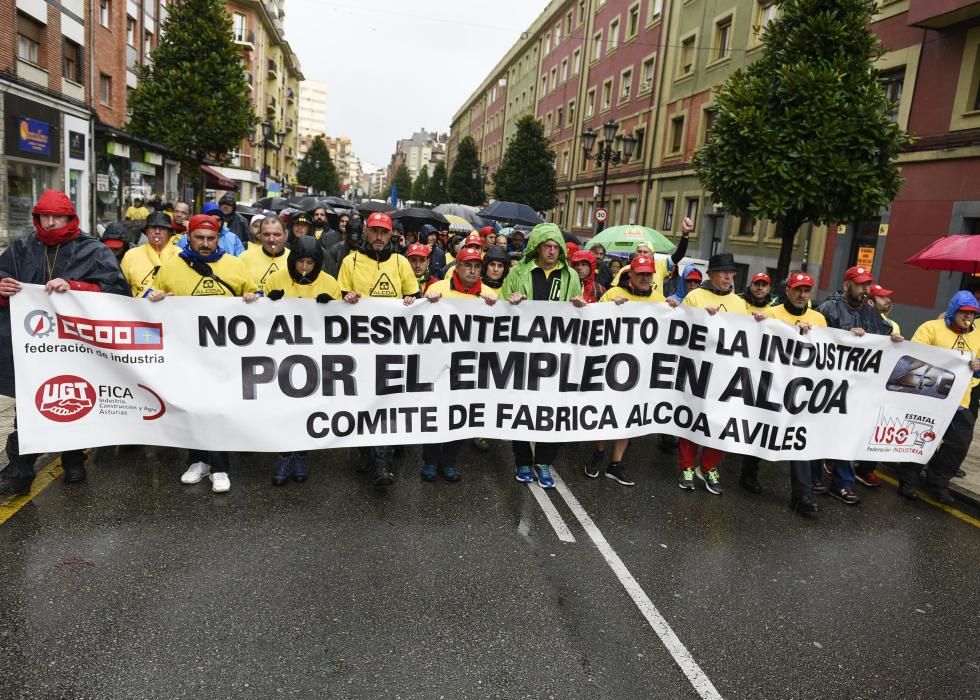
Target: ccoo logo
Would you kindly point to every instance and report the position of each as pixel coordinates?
(39, 324)
(65, 398)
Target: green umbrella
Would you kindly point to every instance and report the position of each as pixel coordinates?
(624, 239)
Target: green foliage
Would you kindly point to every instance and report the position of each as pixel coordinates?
(465, 184)
(527, 171)
(803, 134)
(403, 179)
(437, 193)
(193, 98)
(421, 186)
(317, 170)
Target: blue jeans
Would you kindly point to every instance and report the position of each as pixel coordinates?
(843, 477)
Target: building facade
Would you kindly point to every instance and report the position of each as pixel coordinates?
(312, 113)
(425, 149)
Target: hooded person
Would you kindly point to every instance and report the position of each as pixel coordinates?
(351, 241)
(496, 265)
(691, 279)
(228, 241)
(300, 225)
(116, 238)
(62, 258)
(437, 260)
(232, 220)
(954, 331)
(592, 291)
(141, 264)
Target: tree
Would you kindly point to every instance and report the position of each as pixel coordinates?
(527, 171)
(193, 96)
(403, 179)
(421, 186)
(803, 134)
(464, 183)
(317, 170)
(436, 192)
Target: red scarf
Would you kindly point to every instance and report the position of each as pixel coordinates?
(457, 285)
(57, 236)
(58, 204)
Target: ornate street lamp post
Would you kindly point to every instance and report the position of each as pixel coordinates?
(606, 155)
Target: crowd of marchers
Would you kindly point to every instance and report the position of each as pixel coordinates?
(322, 257)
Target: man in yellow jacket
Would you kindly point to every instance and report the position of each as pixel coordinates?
(204, 269)
(270, 255)
(142, 263)
(955, 331)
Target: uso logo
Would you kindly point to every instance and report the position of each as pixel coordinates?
(65, 398)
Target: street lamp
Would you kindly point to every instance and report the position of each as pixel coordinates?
(607, 155)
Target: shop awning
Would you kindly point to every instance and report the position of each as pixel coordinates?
(218, 181)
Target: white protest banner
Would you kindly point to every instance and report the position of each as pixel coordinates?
(206, 373)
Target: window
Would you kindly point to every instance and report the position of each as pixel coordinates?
(616, 211)
(892, 83)
(568, 23)
(765, 12)
(685, 61)
(131, 31)
(240, 23)
(554, 78)
(596, 46)
(632, 206)
(547, 43)
(746, 228)
(646, 74)
(147, 44)
(633, 21)
(613, 35)
(557, 34)
(691, 209)
(29, 37)
(606, 95)
(547, 123)
(676, 134)
(544, 85)
(565, 162)
(105, 89)
(709, 122)
(564, 70)
(71, 60)
(590, 103)
(581, 11)
(656, 8)
(723, 38)
(571, 113)
(579, 211)
(105, 9)
(625, 84)
(576, 61)
(639, 134)
(668, 220)
(559, 118)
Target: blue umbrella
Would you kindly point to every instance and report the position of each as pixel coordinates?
(511, 212)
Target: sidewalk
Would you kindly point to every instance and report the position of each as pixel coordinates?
(968, 488)
(6, 425)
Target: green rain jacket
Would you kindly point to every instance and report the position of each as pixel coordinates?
(519, 277)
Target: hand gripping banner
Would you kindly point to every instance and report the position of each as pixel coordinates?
(219, 374)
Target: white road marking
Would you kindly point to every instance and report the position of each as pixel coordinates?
(561, 529)
(702, 684)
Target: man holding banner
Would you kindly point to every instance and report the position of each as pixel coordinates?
(203, 269)
(62, 258)
(543, 274)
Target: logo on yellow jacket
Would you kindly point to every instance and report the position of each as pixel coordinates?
(383, 287)
(208, 287)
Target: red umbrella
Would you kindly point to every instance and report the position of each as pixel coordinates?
(955, 253)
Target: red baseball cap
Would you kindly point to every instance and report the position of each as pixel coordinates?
(487, 230)
(761, 276)
(379, 219)
(878, 291)
(420, 250)
(469, 254)
(113, 242)
(473, 239)
(643, 263)
(695, 272)
(205, 221)
(799, 279)
(858, 275)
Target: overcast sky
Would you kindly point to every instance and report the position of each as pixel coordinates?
(422, 58)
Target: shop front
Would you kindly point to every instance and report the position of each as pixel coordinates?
(126, 168)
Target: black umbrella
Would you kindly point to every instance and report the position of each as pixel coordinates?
(247, 211)
(369, 207)
(416, 217)
(276, 204)
(511, 212)
(305, 203)
(338, 202)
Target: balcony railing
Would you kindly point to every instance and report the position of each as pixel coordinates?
(273, 69)
(245, 40)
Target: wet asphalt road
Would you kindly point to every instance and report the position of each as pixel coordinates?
(134, 586)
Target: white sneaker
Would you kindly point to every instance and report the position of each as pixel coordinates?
(195, 473)
(220, 483)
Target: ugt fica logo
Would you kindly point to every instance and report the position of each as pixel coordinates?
(39, 324)
(65, 398)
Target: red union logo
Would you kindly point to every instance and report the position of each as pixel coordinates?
(65, 398)
(112, 335)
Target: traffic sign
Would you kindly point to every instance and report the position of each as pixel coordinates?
(601, 215)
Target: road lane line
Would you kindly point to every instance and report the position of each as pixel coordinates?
(682, 657)
(559, 526)
(44, 478)
(922, 497)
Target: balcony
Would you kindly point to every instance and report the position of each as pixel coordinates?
(32, 73)
(289, 125)
(290, 97)
(273, 70)
(271, 106)
(937, 14)
(245, 40)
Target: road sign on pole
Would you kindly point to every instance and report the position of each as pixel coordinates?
(601, 215)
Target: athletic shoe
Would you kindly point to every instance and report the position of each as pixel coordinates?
(524, 474)
(450, 474)
(617, 472)
(544, 476)
(818, 488)
(428, 472)
(845, 495)
(75, 474)
(383, 478)
(595, 463)
(195, 473)
(299, 468)
(685, 479)
(907, 490)
(943, 495)
(284, 468)
(220, 483)
(870, 479)
(711, 479)
(15, 487)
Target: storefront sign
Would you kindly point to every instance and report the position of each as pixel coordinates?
(31, 130)
(154, 158)
(866, 256)
(76, 145)
(102, 182)
(143, 168)
(114, 148)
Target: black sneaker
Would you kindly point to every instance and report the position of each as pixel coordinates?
(383, 478)
(711, 479)
(595, 463)
(845, 495)
(75, 474)
(14, 487)
(907, 490)
(943, 495)
(617, 472)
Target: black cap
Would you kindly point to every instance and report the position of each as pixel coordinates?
(159, 219)
(722, 262)
(227, 198)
